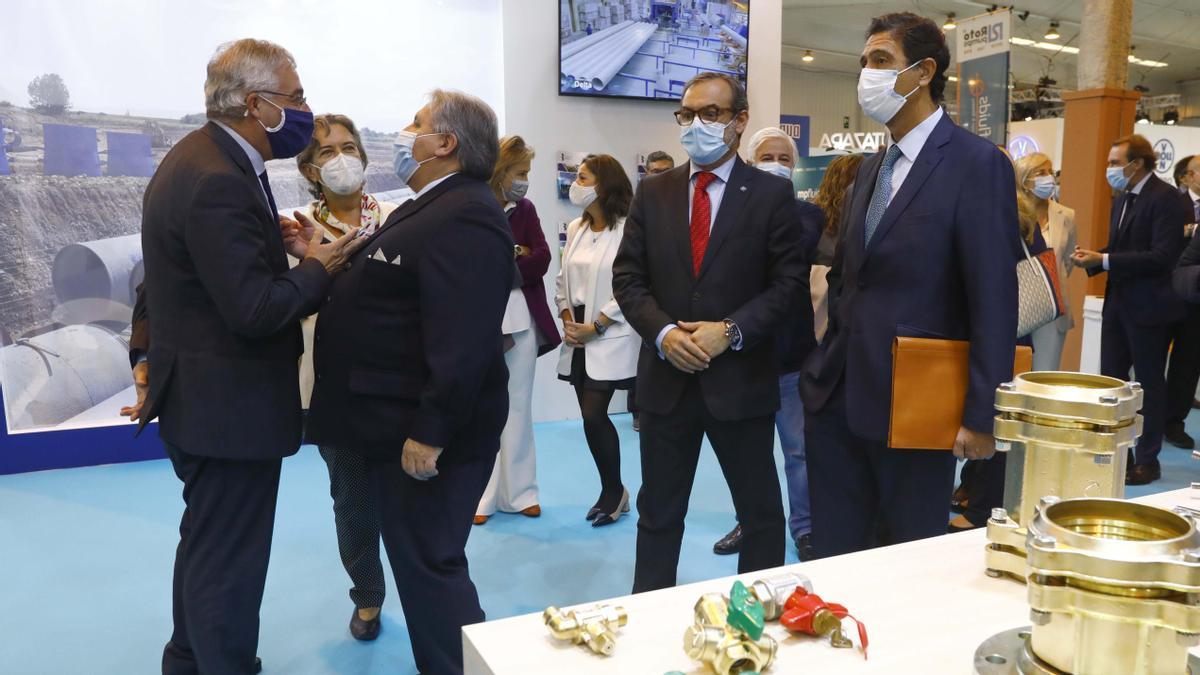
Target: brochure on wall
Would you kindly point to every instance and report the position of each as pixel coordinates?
(568, 167)
(641, 166)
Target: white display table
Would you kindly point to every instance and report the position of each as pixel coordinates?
(927, 605)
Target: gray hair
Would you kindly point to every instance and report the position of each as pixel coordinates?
(473, 123)
(238, 68)
(762, 135)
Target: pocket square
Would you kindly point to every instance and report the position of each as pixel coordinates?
(379, 255)
(396, 260)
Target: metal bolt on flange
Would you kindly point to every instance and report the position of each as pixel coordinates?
(999, 515)
(1109, 399)
(1008, 386)
(1039, 618)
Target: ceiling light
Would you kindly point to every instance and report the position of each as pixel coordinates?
(1171, 116)
(1053, 33)
(949, 25)
(808, 56)
(1143, 118)
(953, 78)
(1070, 49)
(1171, 123)
(1028, 118)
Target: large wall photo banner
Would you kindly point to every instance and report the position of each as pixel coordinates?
(94, 94)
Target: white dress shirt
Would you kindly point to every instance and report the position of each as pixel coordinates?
(910, 147)
(1137, 190)
(716, 192)
(256, 158)
(432, 185)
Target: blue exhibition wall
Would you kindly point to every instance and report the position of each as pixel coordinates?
(63, 449)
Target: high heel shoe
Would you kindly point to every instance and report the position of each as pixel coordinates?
(610, 518)
(593, 512)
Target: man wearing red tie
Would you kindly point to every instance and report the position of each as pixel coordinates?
(710, 263)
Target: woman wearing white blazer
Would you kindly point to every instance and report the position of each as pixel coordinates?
(1036, 193)
(600, 349)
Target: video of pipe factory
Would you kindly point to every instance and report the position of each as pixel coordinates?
(649, 48)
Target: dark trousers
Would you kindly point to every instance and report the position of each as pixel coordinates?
(357, 522)
(425, 526)
(670, 447)
(984, 479)
(859, 487)
(1183, 373)
(221, 562)
(1124, 344)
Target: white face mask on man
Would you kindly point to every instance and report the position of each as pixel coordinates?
(877, 93)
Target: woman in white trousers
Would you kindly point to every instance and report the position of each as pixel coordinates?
(529, 331)
(1037, 190)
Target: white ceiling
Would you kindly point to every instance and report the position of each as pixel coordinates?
(1163, 30)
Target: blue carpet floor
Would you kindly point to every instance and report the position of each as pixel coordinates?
(86, 558)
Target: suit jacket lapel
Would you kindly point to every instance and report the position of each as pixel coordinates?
(413, 206)
(678, 188)
(927, 159)
(860, 201)
(733, 202)
(278, 256)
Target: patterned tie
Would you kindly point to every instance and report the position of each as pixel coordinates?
(262, 178)
(883, 192)
(701, 218)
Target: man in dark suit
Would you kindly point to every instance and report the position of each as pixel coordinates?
(709, 266)
(929, 251)
(1145, 238)
(410, 366)
(217, 327)
(1183, 369)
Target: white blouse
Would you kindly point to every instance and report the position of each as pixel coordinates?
(591, 248)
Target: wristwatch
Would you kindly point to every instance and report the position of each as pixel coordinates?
(600, 328)
(733, 334)
(516, 250)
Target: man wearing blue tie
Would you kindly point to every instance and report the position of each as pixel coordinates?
(929, 251)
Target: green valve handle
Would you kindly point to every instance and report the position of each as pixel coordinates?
(745, 611)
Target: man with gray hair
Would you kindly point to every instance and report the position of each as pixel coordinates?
(410, 367)
(216, 344)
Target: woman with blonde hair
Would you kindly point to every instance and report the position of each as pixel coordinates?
(1042, 216)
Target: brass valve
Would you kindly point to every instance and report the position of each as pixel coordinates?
(725, 649)
(594, 626)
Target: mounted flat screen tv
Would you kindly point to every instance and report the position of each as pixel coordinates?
(648, 48)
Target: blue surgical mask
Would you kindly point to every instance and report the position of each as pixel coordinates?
(704, 142)
(404, 163)
(1044, 187)
(1116, 176)
(781, 170)
(292, 134)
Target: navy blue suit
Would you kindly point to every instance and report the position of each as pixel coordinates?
(408, 345)
(1145, 239)
(940, 265)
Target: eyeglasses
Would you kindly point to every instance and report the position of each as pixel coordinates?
(299, 101)
(708, 114)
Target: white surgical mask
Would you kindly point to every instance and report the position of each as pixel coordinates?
(343, 174)
(877, 93)
(781, 170)
(582, 196)
(1044, 187)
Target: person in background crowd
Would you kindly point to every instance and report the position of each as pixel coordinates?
(1145, 238)
(1043, 219)
(659, 162)
(599, 352)
(708, 365)
(982, 480)
(929, 249)
(334, 164)
(1183, 370)
(216, 344)
(410, 365)
(773, 151)
(529, 325)
(832, 198)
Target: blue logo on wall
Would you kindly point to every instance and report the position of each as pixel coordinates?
(1020, 146)
(1166, 155)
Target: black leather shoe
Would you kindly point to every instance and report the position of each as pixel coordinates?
(1143, 474)
(257, 665)
(1179, 438)
(804, 548)
(1196, 404)
(362, 629)
(593, 512)
(730, 543)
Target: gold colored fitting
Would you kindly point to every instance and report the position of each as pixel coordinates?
(1066, 435)
(726, 650)
(594, 626)
(1114, 588)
